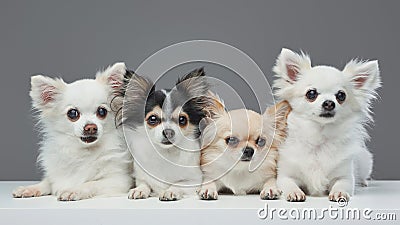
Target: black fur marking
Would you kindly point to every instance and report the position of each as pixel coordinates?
(137, 91)
(116, 103)
(188, 94)
(194, 84)
(155, 99)
(199, 72)
(195, 111)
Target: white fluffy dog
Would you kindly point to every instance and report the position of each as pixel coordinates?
(82, 153)
(325, 151)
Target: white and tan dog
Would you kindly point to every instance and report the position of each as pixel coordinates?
(82, 153)
(235, 139)
(325, 151)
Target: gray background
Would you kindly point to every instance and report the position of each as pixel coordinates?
(73, 40)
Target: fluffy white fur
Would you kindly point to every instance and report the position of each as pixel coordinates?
(73, 169)
(159, 170)
(324, 155)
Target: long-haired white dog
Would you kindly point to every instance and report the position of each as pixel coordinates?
(82, 153)
(325, 151)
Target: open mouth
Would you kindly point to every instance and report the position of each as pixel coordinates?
(89, 139)
(166, 142)
(327, 115)
(245, 159)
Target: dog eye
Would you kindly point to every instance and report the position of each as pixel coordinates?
(311, 95)
(261, 142)
(153, 120)
(73, 115)
(101, 112)
(182, 121)
(231, 141)
(340, 96)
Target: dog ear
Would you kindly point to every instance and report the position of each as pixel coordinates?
(113, 76)
(208, 130)
(193, 84)
(363, 75)
(204, 123)
(45, 91)
(277, 116)
(137, 91)
(213, 108)
(213, 105)
(289, 65)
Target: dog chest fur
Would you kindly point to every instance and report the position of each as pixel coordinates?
(316, 156)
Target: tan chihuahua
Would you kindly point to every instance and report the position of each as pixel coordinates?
(234, 142)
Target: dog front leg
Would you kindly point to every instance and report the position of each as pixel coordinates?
(173, 193)
(208, 191)
(36, 190)
(270, 190)
(343, 188)
(111, 186)
(290, 188)
(141, 191)
(179, 189)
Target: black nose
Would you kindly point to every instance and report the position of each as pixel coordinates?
(168, 133)
(248, 152)
(328, 105)
(90, 129)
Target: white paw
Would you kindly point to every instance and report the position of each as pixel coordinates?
(296, 196)
(26, 192)
(138, 193)
(169, 195)
(337, 195)
(270, 193)
(208, 194)
(72, 196)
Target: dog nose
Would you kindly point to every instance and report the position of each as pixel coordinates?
(168, 133)
(248, 152)
(328, 105)
(90, 129)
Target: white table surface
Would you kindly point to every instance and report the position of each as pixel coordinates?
(379, 195)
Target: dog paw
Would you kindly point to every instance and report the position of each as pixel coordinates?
(26, 192)
(338, 195)
(71, 196)
(138, 193)
(169, 196)
(296, 196)
(270, 193)
(364, 183)
(208, 194)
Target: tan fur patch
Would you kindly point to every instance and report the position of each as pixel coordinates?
(279, 112)
(248, 126)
